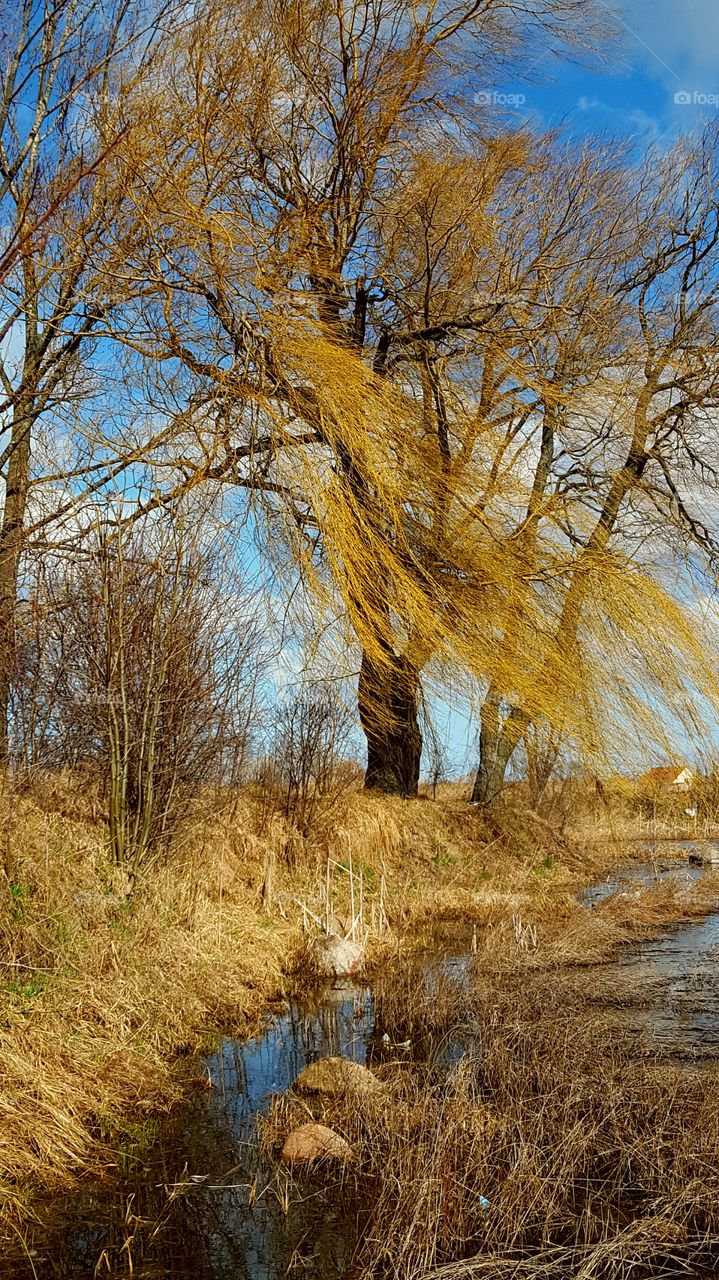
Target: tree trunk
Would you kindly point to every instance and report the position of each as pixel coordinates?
(498, 740)
(388, 714)
(24, 416)
(11, 534)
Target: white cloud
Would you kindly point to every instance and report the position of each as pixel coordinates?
(675, 40)
(591, 104)
(641, 121)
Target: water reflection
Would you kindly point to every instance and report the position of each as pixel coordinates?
(674, 986)
(245, 1074)
(209, 1204)
(668, 987)
(633, 876)
(209, 1207)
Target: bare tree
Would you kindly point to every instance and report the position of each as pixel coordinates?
(311, 733)
(437, 763)
(144, 668)
(61, 67)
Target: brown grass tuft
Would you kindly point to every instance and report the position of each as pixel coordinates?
(550, 1150)
(102, 999)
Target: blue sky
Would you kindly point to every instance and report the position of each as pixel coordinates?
(665, 48)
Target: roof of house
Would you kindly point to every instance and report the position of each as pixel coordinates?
(664, 776)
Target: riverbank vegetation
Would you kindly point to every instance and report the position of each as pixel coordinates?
(108, 996)
(337, 409)
(105, 992)
(555, 1146)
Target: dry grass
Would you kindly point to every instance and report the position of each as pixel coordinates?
(100, 1001)
(572, 935)
(589, 815)
(103, 1003)
(622, 812)
(549, 1150)
(627, 826)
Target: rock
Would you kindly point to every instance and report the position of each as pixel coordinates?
(311, 1143)
(338, 957)
(334, 1077)
(706, 858)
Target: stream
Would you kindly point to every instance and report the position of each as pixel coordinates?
(205, 1204)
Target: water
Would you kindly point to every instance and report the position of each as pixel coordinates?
(629, 877)
(217, 1203)
(669, 987)
(210, 1206)
(672, 987)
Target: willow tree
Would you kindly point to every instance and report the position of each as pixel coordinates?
(284, 149)
(643, 453)
(505, 383)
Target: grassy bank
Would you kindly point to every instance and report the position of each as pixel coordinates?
(549, 1150)
(99, 998)
(561, 1143)
(106, 999)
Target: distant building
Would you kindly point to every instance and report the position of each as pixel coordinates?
(668, 780)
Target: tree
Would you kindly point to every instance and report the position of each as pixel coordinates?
(652, 448)
(277, 142)
(59, 70)
(312, 727)
(142, 665)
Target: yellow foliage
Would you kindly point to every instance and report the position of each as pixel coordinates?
(382, 324)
